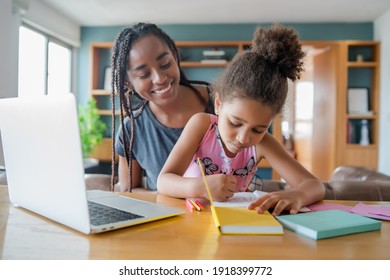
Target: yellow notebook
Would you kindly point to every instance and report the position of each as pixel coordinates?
(240, 220)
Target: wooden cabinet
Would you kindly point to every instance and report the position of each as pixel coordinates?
(346, 73)
(358, 81)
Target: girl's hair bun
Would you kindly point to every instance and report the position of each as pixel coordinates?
(279, 46)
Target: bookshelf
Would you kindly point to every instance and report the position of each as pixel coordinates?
(359, 63)
(191, 55)
(100, 60)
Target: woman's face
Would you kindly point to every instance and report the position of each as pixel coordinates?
(153, 71)
(242, 123)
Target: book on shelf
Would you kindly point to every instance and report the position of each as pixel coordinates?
(213, 61)
(213, 53)
(358, 101)
(328, 223)
(214, 56)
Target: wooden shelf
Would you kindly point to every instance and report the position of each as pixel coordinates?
(200, 64)
(335, 131)
(366, 117)
(102, 151)
(365, 74)
(101, 92)
(107, 112)
(360, 147)
(364, 64)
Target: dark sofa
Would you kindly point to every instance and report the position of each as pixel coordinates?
(347, 183)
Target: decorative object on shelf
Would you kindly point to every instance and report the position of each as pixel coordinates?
(358, 132)
(358, 102)
(107, 78)
(364, 133)
(214, 56)
(359, 58)
(91, 126)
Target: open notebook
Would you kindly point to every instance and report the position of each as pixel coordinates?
(235, 218)
(45, 174)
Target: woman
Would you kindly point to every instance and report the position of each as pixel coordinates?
(156, 100)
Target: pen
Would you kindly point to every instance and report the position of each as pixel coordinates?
(197, 207)
(189, 205)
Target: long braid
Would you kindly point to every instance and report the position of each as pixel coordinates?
(125, 106)
(120, 59)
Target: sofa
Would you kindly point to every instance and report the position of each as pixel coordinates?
(347, 183)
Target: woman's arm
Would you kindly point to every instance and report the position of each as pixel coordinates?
(171, 181)
(306, 188)
(123, 174)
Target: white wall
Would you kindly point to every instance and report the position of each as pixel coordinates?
(42, 17)
(9, 24)
(382, 34)
(52, 22)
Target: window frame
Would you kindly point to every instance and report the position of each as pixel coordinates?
(51, 39)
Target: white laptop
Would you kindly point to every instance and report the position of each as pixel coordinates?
(45, 174)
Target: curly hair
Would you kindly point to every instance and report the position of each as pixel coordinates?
(261, 73)
(129, 100)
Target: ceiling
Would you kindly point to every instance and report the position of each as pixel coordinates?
(123, 12)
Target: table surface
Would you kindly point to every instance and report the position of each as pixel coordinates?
(193, 235)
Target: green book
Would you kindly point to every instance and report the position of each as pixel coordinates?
(329, 223)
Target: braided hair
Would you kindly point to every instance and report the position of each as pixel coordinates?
(130, 102)
(261, 73)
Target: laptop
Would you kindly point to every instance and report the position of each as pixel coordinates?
(45, 174)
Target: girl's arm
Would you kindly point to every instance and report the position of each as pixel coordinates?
(171, 181)
(306, 188)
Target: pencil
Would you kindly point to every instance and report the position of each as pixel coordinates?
(200, 205)
(195, 205)
(189, 205)
(205, 182)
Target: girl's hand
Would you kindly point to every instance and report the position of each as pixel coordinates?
(280, 201)
(222, 186)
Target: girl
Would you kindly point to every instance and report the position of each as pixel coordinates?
(247, 97)
(156, 101)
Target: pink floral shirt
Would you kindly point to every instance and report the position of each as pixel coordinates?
(215, 161)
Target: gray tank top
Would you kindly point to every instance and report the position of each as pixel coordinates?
(152, 144)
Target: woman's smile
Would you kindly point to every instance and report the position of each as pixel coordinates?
(163, 90)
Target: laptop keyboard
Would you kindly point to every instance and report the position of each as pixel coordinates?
(101, 214)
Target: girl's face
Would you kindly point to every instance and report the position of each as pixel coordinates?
(153, 71)
(242, 123)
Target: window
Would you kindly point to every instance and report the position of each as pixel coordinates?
(44, 64)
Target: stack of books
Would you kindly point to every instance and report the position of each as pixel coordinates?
(214, 56)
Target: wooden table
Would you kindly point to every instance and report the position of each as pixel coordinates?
(25, 235)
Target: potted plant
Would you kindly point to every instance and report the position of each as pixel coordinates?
(91, 127)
